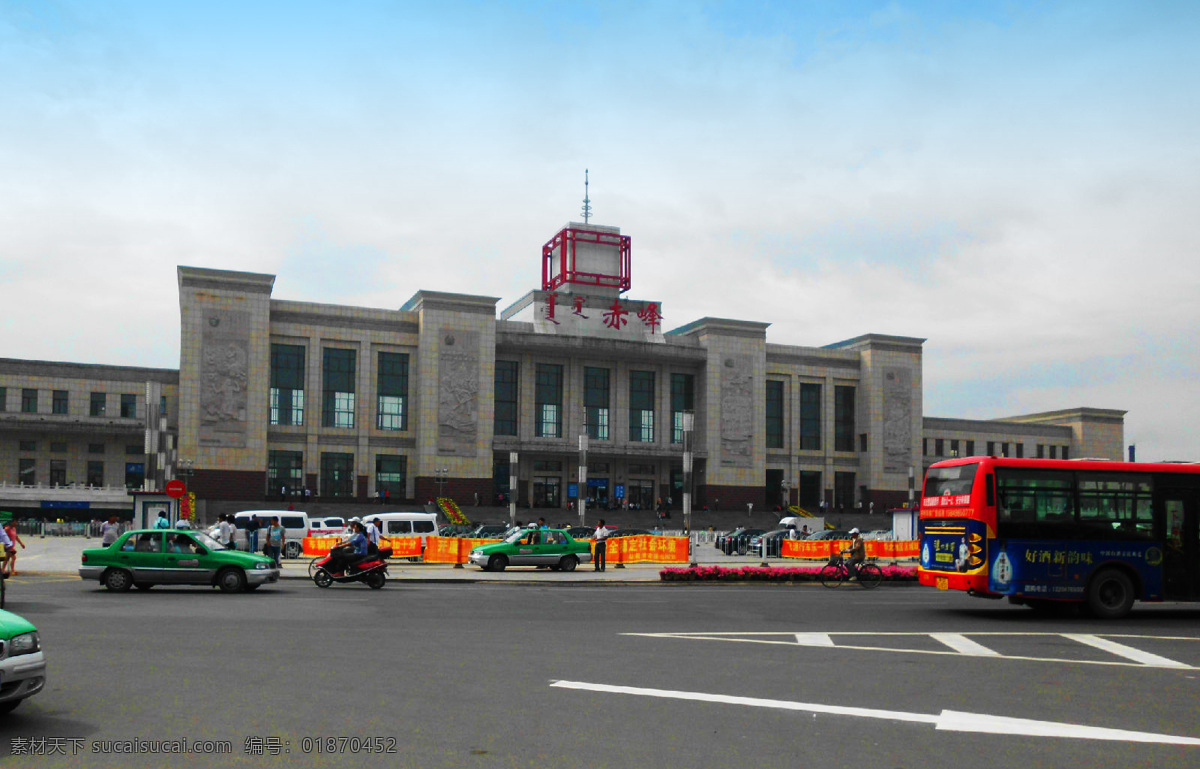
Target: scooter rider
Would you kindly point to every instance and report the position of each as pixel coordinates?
(356, 545)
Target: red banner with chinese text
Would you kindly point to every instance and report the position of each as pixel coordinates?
(646, 548)
(452, 549)
(823, 548)
(402, 547)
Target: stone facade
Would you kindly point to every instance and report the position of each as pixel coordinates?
(274, 397)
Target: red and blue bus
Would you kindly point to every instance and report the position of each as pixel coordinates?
(1042, 531)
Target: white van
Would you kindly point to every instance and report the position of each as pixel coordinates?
(423, 525)
(295, 525)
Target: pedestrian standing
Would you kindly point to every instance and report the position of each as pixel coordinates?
(871, 509)
(163, 521)
(14, 539)
(600, 559)
(252, 534)
(276, 536)
(226, 531)
(109, 531)
(372, 533)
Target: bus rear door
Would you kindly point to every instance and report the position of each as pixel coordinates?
(1181, 557)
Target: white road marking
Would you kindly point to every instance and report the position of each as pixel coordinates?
(947, 720)
(1128, 652)
(963, 645)
(1142, 660)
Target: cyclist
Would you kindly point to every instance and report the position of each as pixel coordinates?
(857, 552)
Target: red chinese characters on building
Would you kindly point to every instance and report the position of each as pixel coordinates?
(614, 316)
(579, 302)
(551, 301)
(651, 317)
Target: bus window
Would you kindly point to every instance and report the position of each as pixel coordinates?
(1028, 501)
(1115, 506)
(950, 481)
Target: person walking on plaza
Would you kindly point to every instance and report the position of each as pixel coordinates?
(109, 531)
(14, 539)
(600, 558)
(252, 534)
(163, 522)
(276, 536)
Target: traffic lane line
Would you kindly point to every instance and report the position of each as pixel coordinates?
(946, 720)
(1121, 650)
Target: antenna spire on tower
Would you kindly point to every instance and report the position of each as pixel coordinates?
(587, 203)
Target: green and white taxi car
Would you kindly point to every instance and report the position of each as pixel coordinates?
(554, 548)
(22, 666)
(149, 557)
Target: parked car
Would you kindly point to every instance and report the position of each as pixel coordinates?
(489, 531)
(22, 666)
(830, 534)
(738, 541)
(533, 547)
(408, 524)
(630, 533)
(144, 558)
(334, 526)
(774, 539)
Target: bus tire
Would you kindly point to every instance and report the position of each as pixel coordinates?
(1110, 594)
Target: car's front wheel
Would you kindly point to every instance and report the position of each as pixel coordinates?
(568, 563)
(292, 550)
(231, 581)
(118, 580)
(497, 563)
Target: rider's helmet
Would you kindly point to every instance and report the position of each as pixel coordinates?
(854, 531)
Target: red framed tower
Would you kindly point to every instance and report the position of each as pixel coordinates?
(585, 257)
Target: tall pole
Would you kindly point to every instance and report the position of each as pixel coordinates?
(583, 447)
(688, 424)
(512, 487)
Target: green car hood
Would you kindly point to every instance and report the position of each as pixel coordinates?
(13, 625)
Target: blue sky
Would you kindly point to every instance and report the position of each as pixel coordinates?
(1015, 182)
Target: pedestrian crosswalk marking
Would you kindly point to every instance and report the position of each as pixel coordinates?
(963, 645)
(1121, 650)
(960, 644)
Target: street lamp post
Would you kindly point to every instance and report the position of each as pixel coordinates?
(441, 476)
(583, 488)
(688, 423)
(512, 487)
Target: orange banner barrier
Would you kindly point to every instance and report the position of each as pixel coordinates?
(644, 548)
(402, 547)
(823, 548)
(452, 549)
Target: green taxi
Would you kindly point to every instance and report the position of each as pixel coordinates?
(554, 548)
(22, 666)
(148, 557)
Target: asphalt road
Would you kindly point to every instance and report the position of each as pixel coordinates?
(659, 676)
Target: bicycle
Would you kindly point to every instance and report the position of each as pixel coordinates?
(837, 571)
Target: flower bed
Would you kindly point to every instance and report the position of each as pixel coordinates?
(891, 573)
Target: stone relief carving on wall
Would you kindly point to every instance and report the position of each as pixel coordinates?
(897, 421)
(458, 391)
(737, 412)
(224, 376)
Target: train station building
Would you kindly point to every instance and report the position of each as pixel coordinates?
(452, 394)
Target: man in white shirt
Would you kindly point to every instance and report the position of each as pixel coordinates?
(373, 531)
(600, 556)
(227, 529)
